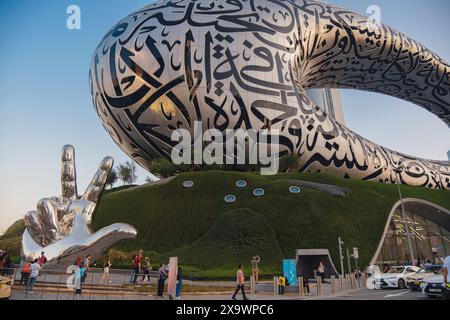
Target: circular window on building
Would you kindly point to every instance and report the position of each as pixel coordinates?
(258, 192)
(295, 189)
(241, 184)
(230, 198)
(188, 184)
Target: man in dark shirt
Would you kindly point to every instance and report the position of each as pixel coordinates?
(136, 266)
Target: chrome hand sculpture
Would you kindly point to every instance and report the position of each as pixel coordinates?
(60, 225)
(245, 64)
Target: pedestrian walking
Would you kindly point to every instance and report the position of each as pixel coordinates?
(78, 279)
(162, 275)
(25, 273)
(147, 268)
(255, 267)
(240, 282)
(42, 259)
(321, 271)
(34, 272)
(86, 267)
(179, 282)
(106, 267)
(446, 289)
(136, 267)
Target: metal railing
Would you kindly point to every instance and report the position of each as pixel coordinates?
(333, 286)
(59, 285)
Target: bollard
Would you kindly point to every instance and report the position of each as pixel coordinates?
(59, 286)
(92, 285)
(43, 282)
(319, 285)
(13, 278)
(301, 289)
(336, 284)
(252, 284)
(341, 287)
(344, 283)
(275, 286)
(363, 279)
(333, 285)
(353, 281)
(347, 282)
(350, 276)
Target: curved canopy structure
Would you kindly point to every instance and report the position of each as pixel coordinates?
(246, 64)
(429, 229)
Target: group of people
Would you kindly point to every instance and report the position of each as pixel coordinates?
(422, 263)
(83, 266)
(30, 270)
(5, 263)
(162, 274)
(138, 266)
(282, 280)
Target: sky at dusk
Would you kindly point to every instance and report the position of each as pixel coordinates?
(45, 100)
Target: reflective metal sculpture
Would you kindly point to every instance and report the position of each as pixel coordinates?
(246, 64)
(60, 225)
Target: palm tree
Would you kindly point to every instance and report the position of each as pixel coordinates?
(127, 172)
(112, 178)
(291, 161)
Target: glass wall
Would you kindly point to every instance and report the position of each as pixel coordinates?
(429, 240)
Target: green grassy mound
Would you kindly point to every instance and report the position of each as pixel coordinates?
(11, 240)
(207, 234)
(211, 237)
(15, 230)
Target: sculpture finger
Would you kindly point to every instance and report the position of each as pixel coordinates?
(30, 248)
(68, 173)
(48, 216)
(98, 182)
(33, 226)
(112, 233)
(107, 236)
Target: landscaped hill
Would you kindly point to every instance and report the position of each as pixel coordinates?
(206, 233)
(211, 237)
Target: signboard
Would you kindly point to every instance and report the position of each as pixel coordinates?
(290, 271)
(355, 253)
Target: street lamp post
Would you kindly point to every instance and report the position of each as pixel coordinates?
(405, 224)
(341, 256)
(348, 261)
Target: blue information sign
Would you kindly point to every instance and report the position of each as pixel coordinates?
(290, 271)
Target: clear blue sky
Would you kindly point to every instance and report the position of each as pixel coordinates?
(45, 100)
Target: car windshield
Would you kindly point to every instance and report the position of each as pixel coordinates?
(431, 269)
(395, 270)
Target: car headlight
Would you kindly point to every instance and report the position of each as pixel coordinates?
(391, 279)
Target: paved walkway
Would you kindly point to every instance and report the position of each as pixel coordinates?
(53, 286)
(48, 291)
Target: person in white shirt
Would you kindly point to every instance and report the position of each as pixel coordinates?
(446, 270)
(446, 267)
(35, 268)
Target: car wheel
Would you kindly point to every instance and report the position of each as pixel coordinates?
(401, 284)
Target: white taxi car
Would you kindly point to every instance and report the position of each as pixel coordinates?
(395, 277)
